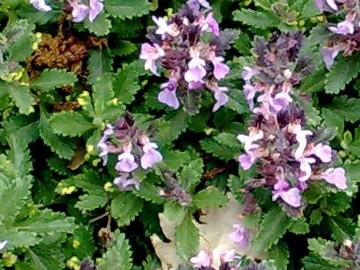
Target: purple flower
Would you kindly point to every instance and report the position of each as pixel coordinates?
(150, 54)
(247, 160)
(305, 167)
(203, 259)
(124, 183)
(346, 27)
(323, 152)
(292, 197)
(168, 94)
(102, 145)
(295, 128)
(96, 6)
(248, 141)
(220, 97)
(40, 5)
(150, 156)
(249, 93)
(79, 10)
(240, 236)
(211, 24)
(196, 70)
(248, 73)
(326, 5)
(228, 256)
(220, 69)
(126, 163)
(329, 54)
(335, 176)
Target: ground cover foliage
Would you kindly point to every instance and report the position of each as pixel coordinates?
(179, 134)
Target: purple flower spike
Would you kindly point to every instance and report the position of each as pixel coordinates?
(126, 163)
(196, 70)
(124, 183)
(240, 236)
(346, 27)
(96, 6)
(150, 54)
(40, 5)
(203, 259)
(335, 176)
(212, 25)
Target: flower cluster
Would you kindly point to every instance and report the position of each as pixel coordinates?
(77, 8)
(192, 62)
(290, 155)
(346, 34)
(133, 148)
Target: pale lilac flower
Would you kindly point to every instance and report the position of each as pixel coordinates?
(204, 3)
(248, 140)
(203, 259)
(123, 183)
(196, 70)
(168, 94)
(96, 6)
(327, 5)
(227, 256)
(335, 176)
(247, 160)
(126, 161)
(3, 244)
(195, 85)
(162, 25)
(329, 54)
(291, 197)
(220, 97)
(220, 69)
(40, 5)
(283, 99)
(346, 27)
(150, 156)
(240, 236)
(102, 145)
(211, 25)
(295, 128)
(79, 10)
(323, 152)
(305, 167)
(248, 73)
(150, 54)
(249, 93)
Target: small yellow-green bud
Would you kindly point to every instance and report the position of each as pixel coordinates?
(9, 259)
(108, 187)
(301, 23)
(96, 162)
(89, 148)
(75, 244)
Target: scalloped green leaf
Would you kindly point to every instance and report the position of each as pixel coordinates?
(278, 221)
(346, 108)
(69, 123)
(280, 255)
(63, 147)
(102, 94)
(186, 237)
(118, 256)
(125, 9)
(125, 207)
(90, 202)
(348, 68)
(21, 96)
(101, 26)
(257, 19)
(50, 79)
(210, 197)
(99, 63)
(45, 257)
(18, 239)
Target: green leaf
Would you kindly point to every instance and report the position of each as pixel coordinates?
(21, 96)
(13, 197)
(169, 130)
(18, 239)
(299, 226)
(69, 123)
(46, 258)
(346, 108)
(278, 221)
(126, 82)
(58, 144)
(125, 207)
(126, 9)
(326, 250)
(100, 26)
(117, 256)
(256, 19)
(280, 255)
(190, 175)
(99, 63)
(210, 197)
(315, 263)
(332, 119)
(221, 151)
(102, 94)
(50, 79)
(186, 237)
(47, 222)
(348, 68)
(90, 202)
